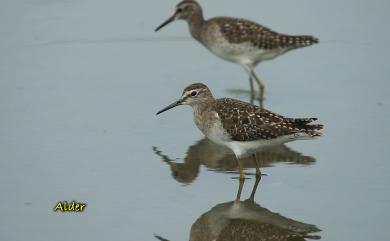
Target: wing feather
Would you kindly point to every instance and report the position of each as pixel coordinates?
(246, 122)
(238, 30)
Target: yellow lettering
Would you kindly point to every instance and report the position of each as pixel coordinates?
(70, 207)
(82, 206)
(59, 206)
(65, 206)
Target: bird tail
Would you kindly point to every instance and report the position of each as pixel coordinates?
(305, 125)
(298, 41)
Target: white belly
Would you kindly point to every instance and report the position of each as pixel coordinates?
(243, 53)
(242, 149)
(218, 135)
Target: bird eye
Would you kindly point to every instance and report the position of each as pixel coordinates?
(179, 10)
(194, 93)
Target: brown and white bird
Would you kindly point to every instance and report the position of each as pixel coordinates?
(237, 40)
(219, 158)
(247, 220)
(240, 126)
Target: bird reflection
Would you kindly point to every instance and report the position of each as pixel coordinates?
(221, 159)
(247, 220)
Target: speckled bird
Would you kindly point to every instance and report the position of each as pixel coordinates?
(237, 40)
(240, 126)
(249, 221)
(219, 159)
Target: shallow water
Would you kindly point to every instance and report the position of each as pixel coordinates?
(81, 81)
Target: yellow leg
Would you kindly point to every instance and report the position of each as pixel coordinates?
(252, 101)
(238, 197)
(252, 89)
(258, 178)
(260, 83)
(240, 169)
(258, 172)
(252, 75)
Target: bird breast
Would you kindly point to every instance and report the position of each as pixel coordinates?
(242, 52)
(210, 125)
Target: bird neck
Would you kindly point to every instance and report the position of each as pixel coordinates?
(200, 107)
(195, 23)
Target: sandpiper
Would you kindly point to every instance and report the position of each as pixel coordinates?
(237, 40)
(240, 126)
(218, 158)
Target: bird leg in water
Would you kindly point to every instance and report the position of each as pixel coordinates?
(258, 172)
(258, 178)
(260, 83)
(240, 169)
(252, 89)
(238, 197)
(252, 75)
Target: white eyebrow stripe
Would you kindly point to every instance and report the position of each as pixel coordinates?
(188, 92)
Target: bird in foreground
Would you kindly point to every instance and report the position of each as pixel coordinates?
(240, 126)
(237, 40)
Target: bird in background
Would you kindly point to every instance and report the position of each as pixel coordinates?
(237, 40)
(240, 126)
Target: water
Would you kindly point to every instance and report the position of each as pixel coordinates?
(80, 83)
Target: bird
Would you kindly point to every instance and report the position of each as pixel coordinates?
(237, 40)
(219, 158)
(248, 220)
(240, 126)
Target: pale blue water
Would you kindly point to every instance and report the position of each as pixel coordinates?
(81, 81)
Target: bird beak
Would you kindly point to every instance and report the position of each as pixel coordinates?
(169, 20)
(174, 104)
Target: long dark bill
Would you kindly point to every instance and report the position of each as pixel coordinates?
(174, 104)
(165, 23)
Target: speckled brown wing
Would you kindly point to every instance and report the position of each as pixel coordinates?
(241, 229)
(238, 30)
(247, 122)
